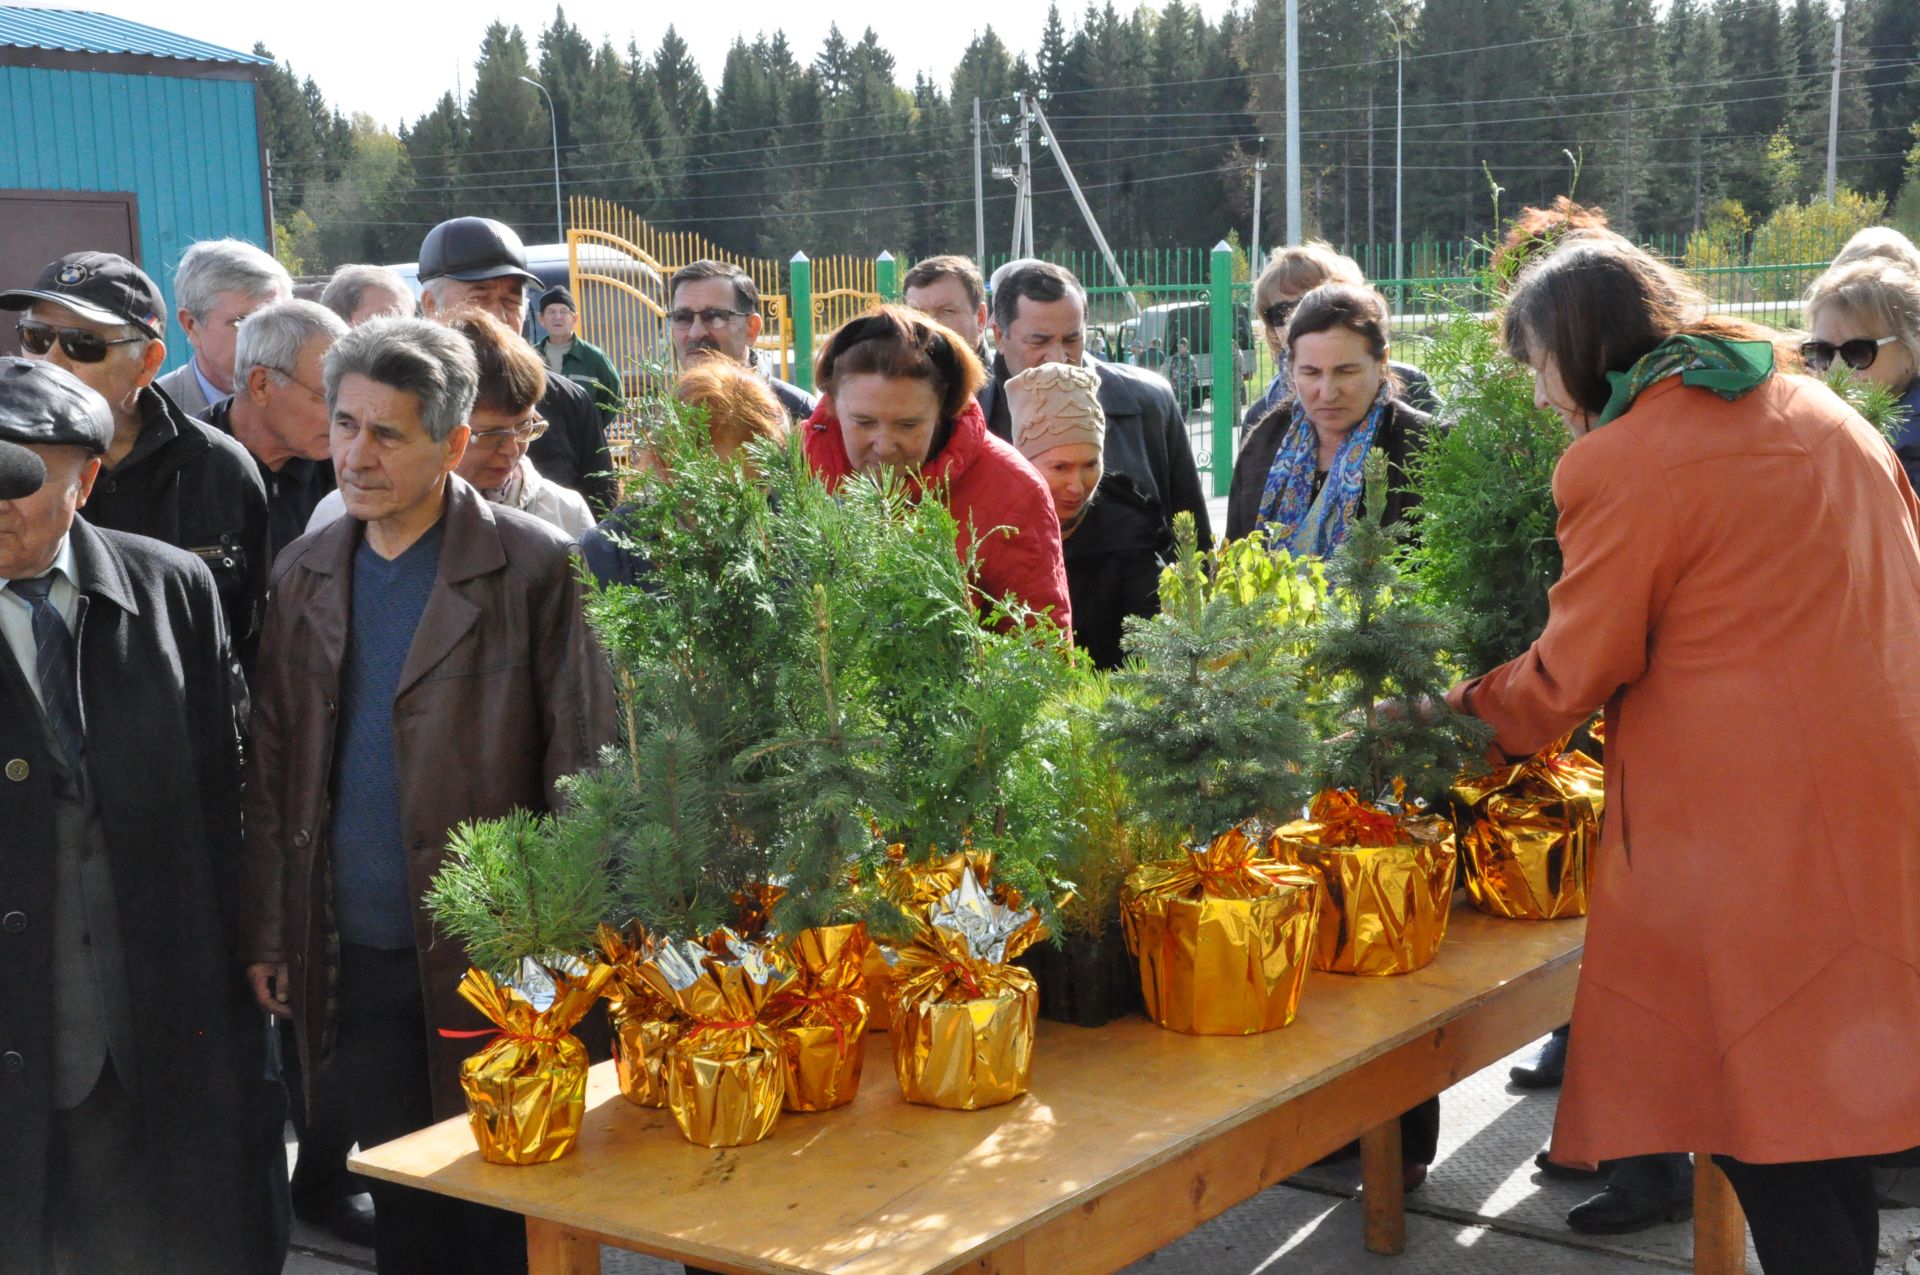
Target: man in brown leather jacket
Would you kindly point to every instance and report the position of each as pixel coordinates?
(425, 661)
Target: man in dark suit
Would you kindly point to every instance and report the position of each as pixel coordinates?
(1040, 316)
(126, 1139)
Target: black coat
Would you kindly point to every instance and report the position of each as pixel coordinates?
(1146, 437)
(573, 452)
(1402, 432)
(163, 754)
(1114, 559)
(190, 485)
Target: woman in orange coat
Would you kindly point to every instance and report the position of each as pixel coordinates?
(1741, 591)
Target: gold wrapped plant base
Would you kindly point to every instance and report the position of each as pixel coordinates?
(1386, 883)
(963, 1019)
(644, 1026)
(527, 1091)
(821, 1020)
(725, 1077)
(876, 985)
(1528, 833)
(1222, 938)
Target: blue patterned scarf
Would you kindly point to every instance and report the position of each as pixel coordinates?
(1287, 501)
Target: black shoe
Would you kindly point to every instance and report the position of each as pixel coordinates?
(1617, 1212)
(348, 1218)
(1548, 1068)
(1564, 1173)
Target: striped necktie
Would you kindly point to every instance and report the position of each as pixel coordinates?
(53, 655)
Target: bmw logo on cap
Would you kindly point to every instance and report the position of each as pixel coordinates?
(71, 274)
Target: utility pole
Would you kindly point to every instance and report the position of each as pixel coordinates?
(1833, 105)
(1023, 184)
(1399, 126)
(1086, 213)
(979, 195)
(1259, 180)
(553, 118)
(1293, 121)
(1373, 221)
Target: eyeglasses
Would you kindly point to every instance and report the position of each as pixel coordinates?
(716, 317)
(1278, 313)
(1858, 353)
(495, 439)
(82, 345)
(285, 375)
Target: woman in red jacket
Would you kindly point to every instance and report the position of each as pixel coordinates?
(897, 393)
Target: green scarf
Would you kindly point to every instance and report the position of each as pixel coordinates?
(1728, 368)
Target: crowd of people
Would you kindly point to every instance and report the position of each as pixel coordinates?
(281, 619)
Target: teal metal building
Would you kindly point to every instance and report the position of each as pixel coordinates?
(119, 136)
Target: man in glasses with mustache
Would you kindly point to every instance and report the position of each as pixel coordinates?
(166, 475)
(714, 308)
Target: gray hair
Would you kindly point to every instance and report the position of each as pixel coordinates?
(1034, 281)
(273, 336)
(435, 364)
(350, 285)
(1883, 242)
(214, 266)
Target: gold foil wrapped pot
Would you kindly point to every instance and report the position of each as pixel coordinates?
(527, 1090)
(821, 1018)
(1528, 834)
(963, 1019)
(1222, 937)
(1386, 883)
(725, 1076)
(644, 1026)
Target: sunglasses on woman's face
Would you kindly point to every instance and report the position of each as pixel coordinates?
(79, 344)
(1857, 354)
(1278, 313)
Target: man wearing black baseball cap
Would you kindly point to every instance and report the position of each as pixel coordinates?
(569, 354)
(123, 1050)
(477, 261)
(101, 318)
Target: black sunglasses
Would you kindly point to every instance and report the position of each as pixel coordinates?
(1857, 354)
(79, 344)
(1278, 313)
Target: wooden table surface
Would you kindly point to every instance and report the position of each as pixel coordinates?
(1130, 1136)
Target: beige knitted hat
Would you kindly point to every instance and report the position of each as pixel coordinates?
(1054, 405)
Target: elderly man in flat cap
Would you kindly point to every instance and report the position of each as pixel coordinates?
(1112, 533)
(127, 1138)
(166, 474)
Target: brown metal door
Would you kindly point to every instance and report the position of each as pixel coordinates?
(38, 226)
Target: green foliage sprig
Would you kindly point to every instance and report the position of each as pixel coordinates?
(1207, 717)
(1379, 654)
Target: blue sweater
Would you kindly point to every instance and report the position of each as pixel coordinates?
(372, 902)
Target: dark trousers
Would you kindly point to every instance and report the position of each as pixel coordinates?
(1815, 1217)
(324, 1132)
(99, 1212)
(380, 1064)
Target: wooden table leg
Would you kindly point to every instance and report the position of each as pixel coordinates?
(1383, 1191)
(552, 1249)
(1719, 1227)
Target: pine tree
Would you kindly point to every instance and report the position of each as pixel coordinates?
(511, 120)
(1206, 717)
(1891, 77)
(1376, 645)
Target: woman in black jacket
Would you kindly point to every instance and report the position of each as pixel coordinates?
(1298, 476)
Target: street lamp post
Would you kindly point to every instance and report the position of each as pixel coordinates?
(553, 118)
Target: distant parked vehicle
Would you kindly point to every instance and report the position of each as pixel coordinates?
(1191, 321)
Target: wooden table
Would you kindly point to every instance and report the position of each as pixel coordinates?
(1131, 1137)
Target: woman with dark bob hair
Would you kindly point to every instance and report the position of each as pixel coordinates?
(1297, 477)
(897, 393)
(1741, 592)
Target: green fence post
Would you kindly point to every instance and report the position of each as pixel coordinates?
(1220, 296)
(800, 315)
(884, 281)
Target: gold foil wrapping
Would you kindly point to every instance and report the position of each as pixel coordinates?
(527, 1090)
(1222, 937)
(644, 1025)
(1528, 833)
(876, 981)
(821, 1019)
(963, 1019)
(725, 1076)
(1386, 883)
